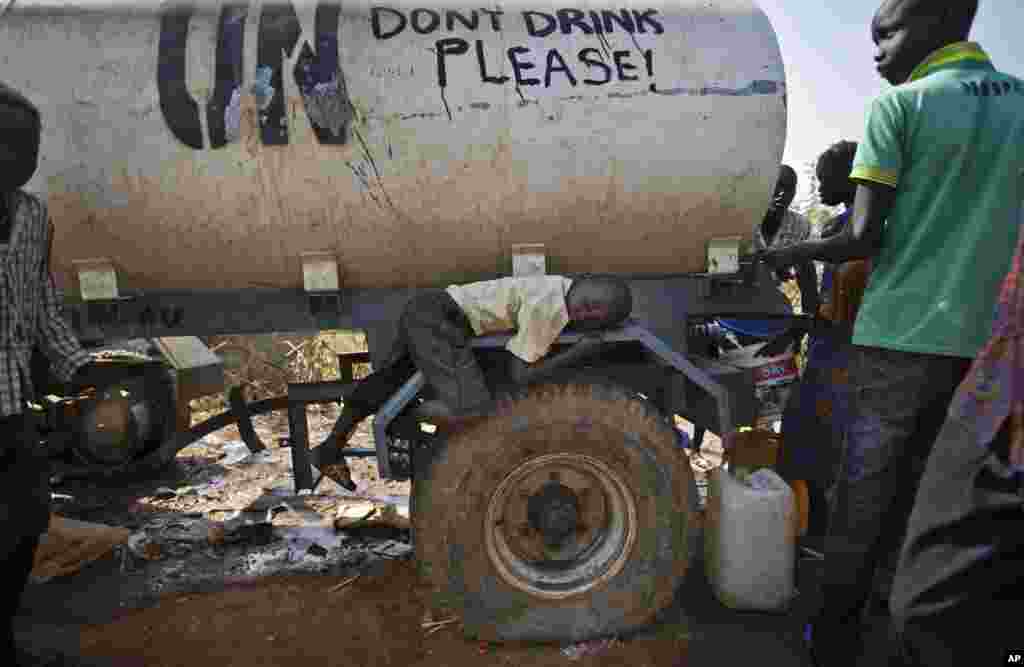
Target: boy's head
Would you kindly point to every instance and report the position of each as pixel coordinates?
(908, 31)
(785, 190)
(833, 171)
(19, 139)
(598, 302)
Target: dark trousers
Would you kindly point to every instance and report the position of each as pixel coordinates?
(24, 515)
(958, 595)
(899, 403)
(17, 566)
(435, 337)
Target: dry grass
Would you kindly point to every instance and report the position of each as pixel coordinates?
(264, 365)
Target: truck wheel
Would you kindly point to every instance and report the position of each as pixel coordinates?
(130, 417)
(564, 516)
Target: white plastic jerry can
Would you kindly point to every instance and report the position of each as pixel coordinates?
(750, 540)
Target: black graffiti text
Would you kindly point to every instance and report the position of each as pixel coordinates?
(567, 21)
(588, 66)
(386, 22)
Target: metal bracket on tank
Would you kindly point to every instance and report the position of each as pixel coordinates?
(320, 281)
(97, 286)
(730, 264)
(529, 259)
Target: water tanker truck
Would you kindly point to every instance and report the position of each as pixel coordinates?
(252, 167)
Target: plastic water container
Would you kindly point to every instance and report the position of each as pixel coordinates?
(750, 541)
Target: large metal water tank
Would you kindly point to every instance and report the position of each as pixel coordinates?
(210, 145)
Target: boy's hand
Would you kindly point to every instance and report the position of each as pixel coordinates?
(781, 258)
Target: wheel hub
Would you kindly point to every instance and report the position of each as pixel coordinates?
(553, 512)
(560, 524)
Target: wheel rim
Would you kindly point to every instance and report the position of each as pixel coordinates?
(559, 525)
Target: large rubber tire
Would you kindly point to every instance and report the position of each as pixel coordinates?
(619, 437)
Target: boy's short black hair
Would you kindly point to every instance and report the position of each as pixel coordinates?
(840, 154)
(963, 11)
(611, 290)
(12, 97)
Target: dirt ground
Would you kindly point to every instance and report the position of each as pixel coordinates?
(233, 568)
(377, 619)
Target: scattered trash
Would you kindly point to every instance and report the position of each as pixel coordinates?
(214, 487)
(270, 501)
(264, 456)
(335, 589)
(242, 529)
(283, 558)
(357, 512)
(433, 626)
(588, 648)
(277, 509)
(283, 489)
(353, 516)
(143, 546)
(392, 549)
(193, 531)
(317, 550)
(236, 452)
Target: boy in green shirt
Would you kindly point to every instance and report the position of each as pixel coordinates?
(940, 174)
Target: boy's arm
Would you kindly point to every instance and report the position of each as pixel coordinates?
(859, 240)
(807, 281)
(877, 169)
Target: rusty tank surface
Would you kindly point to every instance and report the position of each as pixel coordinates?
(209, 145)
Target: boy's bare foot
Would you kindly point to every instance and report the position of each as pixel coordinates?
(340, 474)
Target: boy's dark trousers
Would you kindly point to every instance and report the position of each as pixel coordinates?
(24, 516)
(434, 336)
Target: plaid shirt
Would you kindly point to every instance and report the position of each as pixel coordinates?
(29, 308)
(793, 228)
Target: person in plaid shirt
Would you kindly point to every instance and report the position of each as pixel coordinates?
(29, 318)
